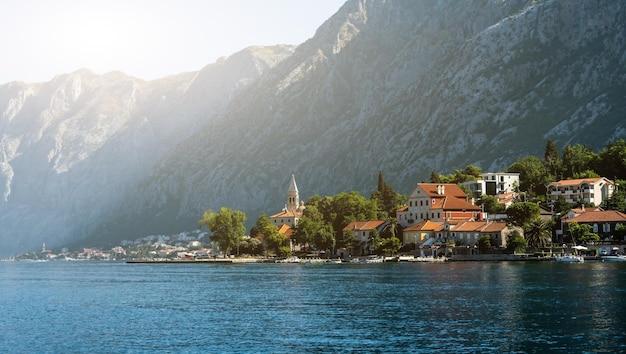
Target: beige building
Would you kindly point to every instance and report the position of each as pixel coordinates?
(588, 190)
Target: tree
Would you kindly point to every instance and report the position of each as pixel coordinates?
(551, 159)
(581, 233)
(484, 243)
(533, 174)
(516, 243)
(522, 213)
(491, 205)
(576, 159)
(390, 245)
(612, 160)
(324, 239)
(386, 198)
(226, 226)
(274, 240)
(617, 201)
(620, 232)
(538, 233)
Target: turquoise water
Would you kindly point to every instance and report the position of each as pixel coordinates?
(108, 307)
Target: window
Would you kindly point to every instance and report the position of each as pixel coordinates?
(595, 228)
(606, 227)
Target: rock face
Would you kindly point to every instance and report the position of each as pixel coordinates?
(399, 86)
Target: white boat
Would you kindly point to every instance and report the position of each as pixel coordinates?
(293, 259)
(570, 259)
(613, 258)
(374, 260)
(338, 261)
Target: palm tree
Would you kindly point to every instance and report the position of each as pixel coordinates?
(538, 233)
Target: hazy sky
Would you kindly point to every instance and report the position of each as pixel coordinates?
(145, 38)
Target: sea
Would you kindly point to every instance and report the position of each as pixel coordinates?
(446, 307)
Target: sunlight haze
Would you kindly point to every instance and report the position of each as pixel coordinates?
(143, 38)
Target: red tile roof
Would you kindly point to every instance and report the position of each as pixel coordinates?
(575, 182)
(364, 225)
(599, 216)
(426, 225)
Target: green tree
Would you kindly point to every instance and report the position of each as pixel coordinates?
(620, 232)
(617, 201)
(577, 159)
(226, 226)
(552, 160)
(538, 233)
(516, 243)
(390, 245)
(491, 205)
(386, 198)
(612, 161)
(533, 174)
(484, 243)
(324, 239)
(274, 240)
(581, 233)
(522, 213)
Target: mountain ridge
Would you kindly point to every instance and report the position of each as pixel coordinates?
(404, 87)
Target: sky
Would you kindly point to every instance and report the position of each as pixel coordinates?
(147, 39)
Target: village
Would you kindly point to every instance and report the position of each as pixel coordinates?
(439, 221)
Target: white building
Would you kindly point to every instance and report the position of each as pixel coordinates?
(587, 190)
(493, 184)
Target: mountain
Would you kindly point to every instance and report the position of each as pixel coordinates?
(399, 86)
(73, 148)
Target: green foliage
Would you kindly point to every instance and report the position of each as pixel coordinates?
(618, 199)
(339, 210)
(585, 174)
(577, 159)
(522, 213)
(491, 204)
(516, 243)
(484, 243)
(390, 246)
(551, 159)
(273, 239)
(226, 226)
(612, 160)
(533, 174)
(538, 233)
(324, 238)
(620, 232)
(581, 233)
(386, 199)
(283, 251)
(469, 173)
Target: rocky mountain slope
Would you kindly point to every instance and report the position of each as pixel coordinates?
(73, 148)
(399, 86)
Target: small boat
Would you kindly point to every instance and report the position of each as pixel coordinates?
(570, 259)
(293, 259)
(336, 261)
(613, 258)
(374, 260)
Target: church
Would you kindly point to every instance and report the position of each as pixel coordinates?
(292, 211)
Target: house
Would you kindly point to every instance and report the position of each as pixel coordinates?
(437, 202)
(421, 232)
(493, 184)
(602, 222)
(583, 190)
(292, 211)
(363, 230)
(468, 233)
